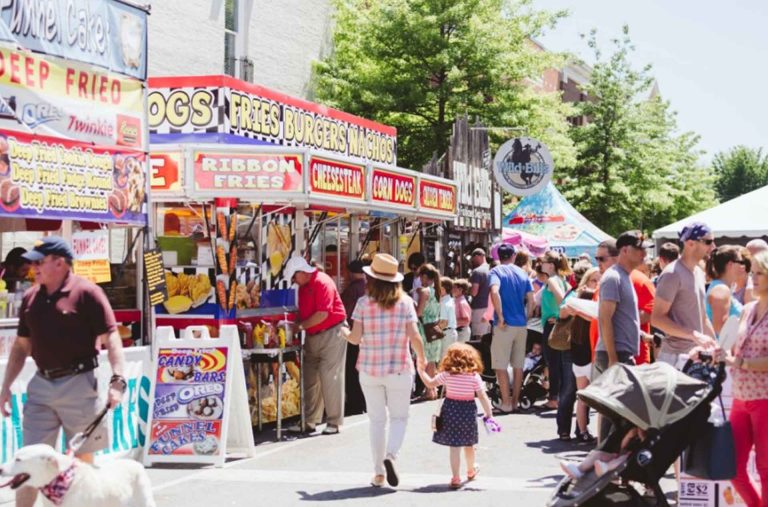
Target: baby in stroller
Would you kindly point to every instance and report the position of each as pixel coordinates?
(603, 462)
(656, 413)
(535, 382)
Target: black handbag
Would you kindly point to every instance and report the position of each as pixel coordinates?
(713, 455)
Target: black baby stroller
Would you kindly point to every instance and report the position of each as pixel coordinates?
(533, 380)
(533, 388)
(669, 406)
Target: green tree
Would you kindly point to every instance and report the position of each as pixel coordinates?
(634, 169)
(738, 171)
(418, 64)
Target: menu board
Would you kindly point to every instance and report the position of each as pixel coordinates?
(198, 403)
(189, 401)
(154, 276)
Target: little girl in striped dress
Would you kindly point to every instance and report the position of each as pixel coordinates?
(459, 373)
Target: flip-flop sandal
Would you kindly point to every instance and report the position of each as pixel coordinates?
(455, 483)
(472, 474)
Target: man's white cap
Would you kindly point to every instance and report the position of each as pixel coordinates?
(297, 263)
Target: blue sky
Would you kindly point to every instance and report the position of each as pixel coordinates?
(708, 57)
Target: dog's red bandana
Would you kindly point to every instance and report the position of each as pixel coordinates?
(59, 486)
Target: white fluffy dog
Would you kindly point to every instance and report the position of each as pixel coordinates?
(69, 482)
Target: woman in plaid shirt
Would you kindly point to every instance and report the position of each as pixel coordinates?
(384, 326)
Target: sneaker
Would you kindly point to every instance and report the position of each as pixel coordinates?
(586, 437)
(571, 469)
(331, 430)
(378, 481)
(392, 477)
(296, 428)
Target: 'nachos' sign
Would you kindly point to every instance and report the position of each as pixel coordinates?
(523, 166)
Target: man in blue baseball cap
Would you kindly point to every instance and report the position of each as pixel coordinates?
(63, 320)
(679, 308)
(512, 298)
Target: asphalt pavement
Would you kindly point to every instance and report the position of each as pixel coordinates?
(518, 466)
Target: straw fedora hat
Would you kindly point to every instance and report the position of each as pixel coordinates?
(384, 267)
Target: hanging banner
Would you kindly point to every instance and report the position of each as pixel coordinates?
(107, 33)
(233, 174)
(46, 177)
(338, 179)
(201, 109)
(435, 196)
(54, 97)
(523, 166)
(389, 187)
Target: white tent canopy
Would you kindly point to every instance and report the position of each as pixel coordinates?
(746, 215)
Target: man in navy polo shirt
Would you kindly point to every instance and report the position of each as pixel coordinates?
(512, 297)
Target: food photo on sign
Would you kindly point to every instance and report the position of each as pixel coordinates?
(46, 176)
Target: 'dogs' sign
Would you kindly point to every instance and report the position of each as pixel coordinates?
(523, 166)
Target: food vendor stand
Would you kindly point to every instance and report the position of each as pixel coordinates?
(242, 179)
(73, 155)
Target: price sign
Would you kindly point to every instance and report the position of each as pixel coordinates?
(154, 277)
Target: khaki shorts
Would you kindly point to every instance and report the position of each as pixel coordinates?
(508, 347)
(71, 403)
(479, 326)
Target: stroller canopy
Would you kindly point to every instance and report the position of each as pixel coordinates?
(649, 396)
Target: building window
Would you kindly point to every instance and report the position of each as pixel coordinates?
(231, 28)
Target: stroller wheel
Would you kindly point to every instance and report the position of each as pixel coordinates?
(525, 403)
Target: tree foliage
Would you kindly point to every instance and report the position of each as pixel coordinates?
(418, 64)
(738, 171)
(634, 169)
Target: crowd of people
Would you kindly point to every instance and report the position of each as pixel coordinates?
(643, 310)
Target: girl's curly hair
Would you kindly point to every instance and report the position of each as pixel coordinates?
(461, 358)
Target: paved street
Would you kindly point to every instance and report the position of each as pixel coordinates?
(520, 464)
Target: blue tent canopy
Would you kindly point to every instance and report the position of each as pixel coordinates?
(549, 215)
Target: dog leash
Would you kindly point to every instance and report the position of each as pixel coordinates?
(79, 439)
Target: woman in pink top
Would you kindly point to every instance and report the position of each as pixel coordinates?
(749, 415)
(384, 325)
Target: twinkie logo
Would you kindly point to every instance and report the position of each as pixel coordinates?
(34, 115)
(95, 127)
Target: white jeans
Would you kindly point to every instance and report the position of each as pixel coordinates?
(386, 397)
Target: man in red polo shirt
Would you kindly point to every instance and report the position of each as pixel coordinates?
(322, 316)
